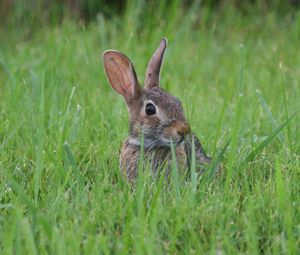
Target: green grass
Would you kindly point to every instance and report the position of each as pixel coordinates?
(61, 126)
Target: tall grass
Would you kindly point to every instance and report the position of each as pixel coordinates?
(61, 126)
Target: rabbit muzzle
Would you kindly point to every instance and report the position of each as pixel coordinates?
(177, 131)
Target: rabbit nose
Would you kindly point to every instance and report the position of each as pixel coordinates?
(183, 129)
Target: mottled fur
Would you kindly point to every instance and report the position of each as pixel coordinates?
(161, 129)
(161, 157)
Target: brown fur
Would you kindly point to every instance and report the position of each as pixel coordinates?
(130, 154)
(166, 126)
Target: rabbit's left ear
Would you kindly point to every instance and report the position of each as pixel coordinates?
(153, 70)
(121, 75)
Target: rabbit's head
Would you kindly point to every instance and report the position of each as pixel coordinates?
(153, 111)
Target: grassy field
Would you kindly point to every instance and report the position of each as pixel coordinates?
(61, 126)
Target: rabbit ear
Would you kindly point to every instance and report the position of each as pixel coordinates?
(154, 65)
(121, 75)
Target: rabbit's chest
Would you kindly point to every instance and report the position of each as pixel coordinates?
(158, 159)
(163, 158)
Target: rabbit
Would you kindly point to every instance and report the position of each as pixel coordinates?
(154, 113)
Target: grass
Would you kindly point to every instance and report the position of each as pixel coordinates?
(61, 126)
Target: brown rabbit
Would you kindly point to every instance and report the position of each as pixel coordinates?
(155, 113)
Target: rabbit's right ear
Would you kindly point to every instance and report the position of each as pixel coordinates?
(121, 75)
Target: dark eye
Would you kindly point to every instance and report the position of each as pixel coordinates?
(150, 109)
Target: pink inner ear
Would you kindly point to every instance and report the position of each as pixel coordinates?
(120, 75)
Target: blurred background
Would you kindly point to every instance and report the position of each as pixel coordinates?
(32, 14)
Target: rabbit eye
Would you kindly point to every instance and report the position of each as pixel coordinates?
(150, 109)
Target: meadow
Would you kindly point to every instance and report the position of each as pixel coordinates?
(61, 126)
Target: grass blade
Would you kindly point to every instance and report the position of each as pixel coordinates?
(285, 208)
(40, 146)
(73, 163)
(175, 176)
(62, 128)
(193, 168)
(270, 116)
(214, 165)
(264, 143)
(285, 105)
(28, 236)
